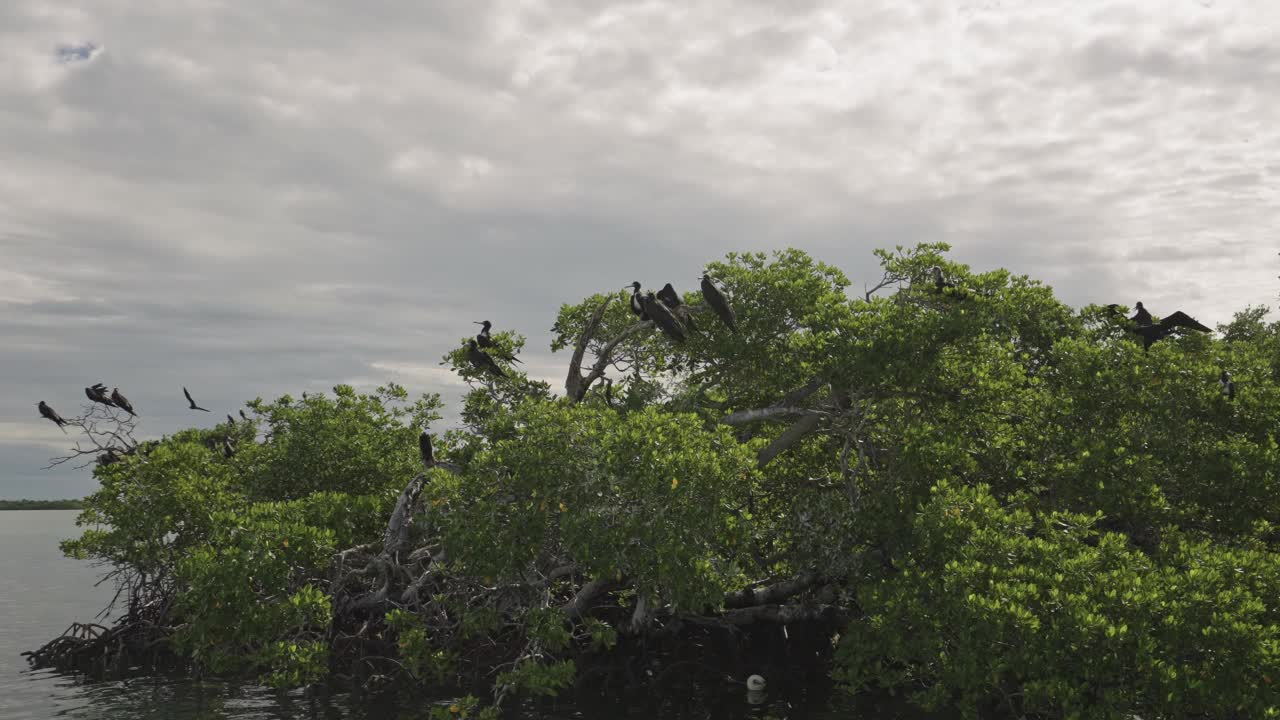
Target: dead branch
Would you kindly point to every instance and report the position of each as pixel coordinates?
(772, 594)
(789, 437)
(573, 384)
(743, 417)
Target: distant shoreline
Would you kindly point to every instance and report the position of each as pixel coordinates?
(41, 504)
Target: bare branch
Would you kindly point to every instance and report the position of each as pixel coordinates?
(792, 435)
(603, 357)
(743, 417)
(773, 593)
(573, 384)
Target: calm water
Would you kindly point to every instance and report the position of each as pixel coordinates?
(41, 593)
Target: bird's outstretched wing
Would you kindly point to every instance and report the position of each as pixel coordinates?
(1183, 320)
(194, 406)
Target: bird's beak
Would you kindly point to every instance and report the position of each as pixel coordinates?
(473, 322)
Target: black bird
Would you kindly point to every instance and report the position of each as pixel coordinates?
(194, 406)
(484, 341)
(230, 420)
(1228, 385)
(608, 391)
(98, 386)
(425, 449)
(243, 416)
(227, 449)
(48, 412)
(1142, 317)
(108, 457)
(662, 317)
(939, 283)
(121, 401)
(1153, 333)
(98, 394)
(671, 298)
(717, 301)
(637, 302)
(481, 361)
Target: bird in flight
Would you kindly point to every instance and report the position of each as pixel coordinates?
(194, 406)
(52, 414)
(121, 401)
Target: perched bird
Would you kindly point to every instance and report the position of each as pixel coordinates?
(108, 457)
(98, 386)
(50, 413)
(662, 317)
(1153, 333)
(194, 406)
(98, 394)
(227, 449)
(230, 420)
(608, 391)
(1142, 317)
(485, 341)
(243, 416)
(637, 302)
(939, 282)
(717, 301)
(1228, 385)
(425, 450)
(121, 401)
(481, 361)
(671, 299)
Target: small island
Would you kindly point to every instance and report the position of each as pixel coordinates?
(41, 504)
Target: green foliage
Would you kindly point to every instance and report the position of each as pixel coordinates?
(41, 504)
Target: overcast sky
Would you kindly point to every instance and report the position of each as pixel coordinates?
(249, 198)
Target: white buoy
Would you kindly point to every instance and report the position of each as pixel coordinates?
(755, 683)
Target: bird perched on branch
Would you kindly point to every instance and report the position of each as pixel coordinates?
(1142, 317)
(425, 450)
(194, 406)
(230, 420)
(122, 402)
(717, 301)
(637, 302)
(243, 416)
(485, 341)
(662, 317)
(51, 414)
(98, 393)
(1228, 385)
(481, 360)
(1153, 332)
(671, 299)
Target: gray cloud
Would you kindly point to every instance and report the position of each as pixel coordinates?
(256, 199)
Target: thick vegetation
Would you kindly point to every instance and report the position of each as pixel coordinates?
(41, 505)
(996, 503)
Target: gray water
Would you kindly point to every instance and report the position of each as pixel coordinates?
(42, 593)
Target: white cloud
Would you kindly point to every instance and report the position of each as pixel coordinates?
(258, 198)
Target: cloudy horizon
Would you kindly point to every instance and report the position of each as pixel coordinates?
(250, 199)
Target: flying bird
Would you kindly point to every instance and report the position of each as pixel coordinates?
(194, 406)
(485, 341)
(717, 301)
(121, 401)
(671, 299)
(1142, 317)
(637, 302)
(98, 393)
(662, 317)
(50, 413)
(1228, 385)
(481, 361)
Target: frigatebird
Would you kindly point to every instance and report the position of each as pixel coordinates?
(50, 413)
(227, 449)
(662, 317)
(425, 450)
(121, 401)
(637, 302)
(194, 406)
(1142, 317)
(1168, 324)
(486, 342)
(98, 394)
(230, 420)
(717, 301)
(481, 361)
(243, 416)
(1228, 385)
(671, 298)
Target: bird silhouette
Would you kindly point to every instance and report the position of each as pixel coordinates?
(671, 299)
(425, 450)
(227, 449)
(230, 420)
(662, 317)
(1142, 317)
(1169, 324)
(717, 301)
(121, 401)
(481, 361)
(50, 413)
(1228, 385)
(637, 302)
(194, 406)
(243, 416)
(485, 341)
(98, 393)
